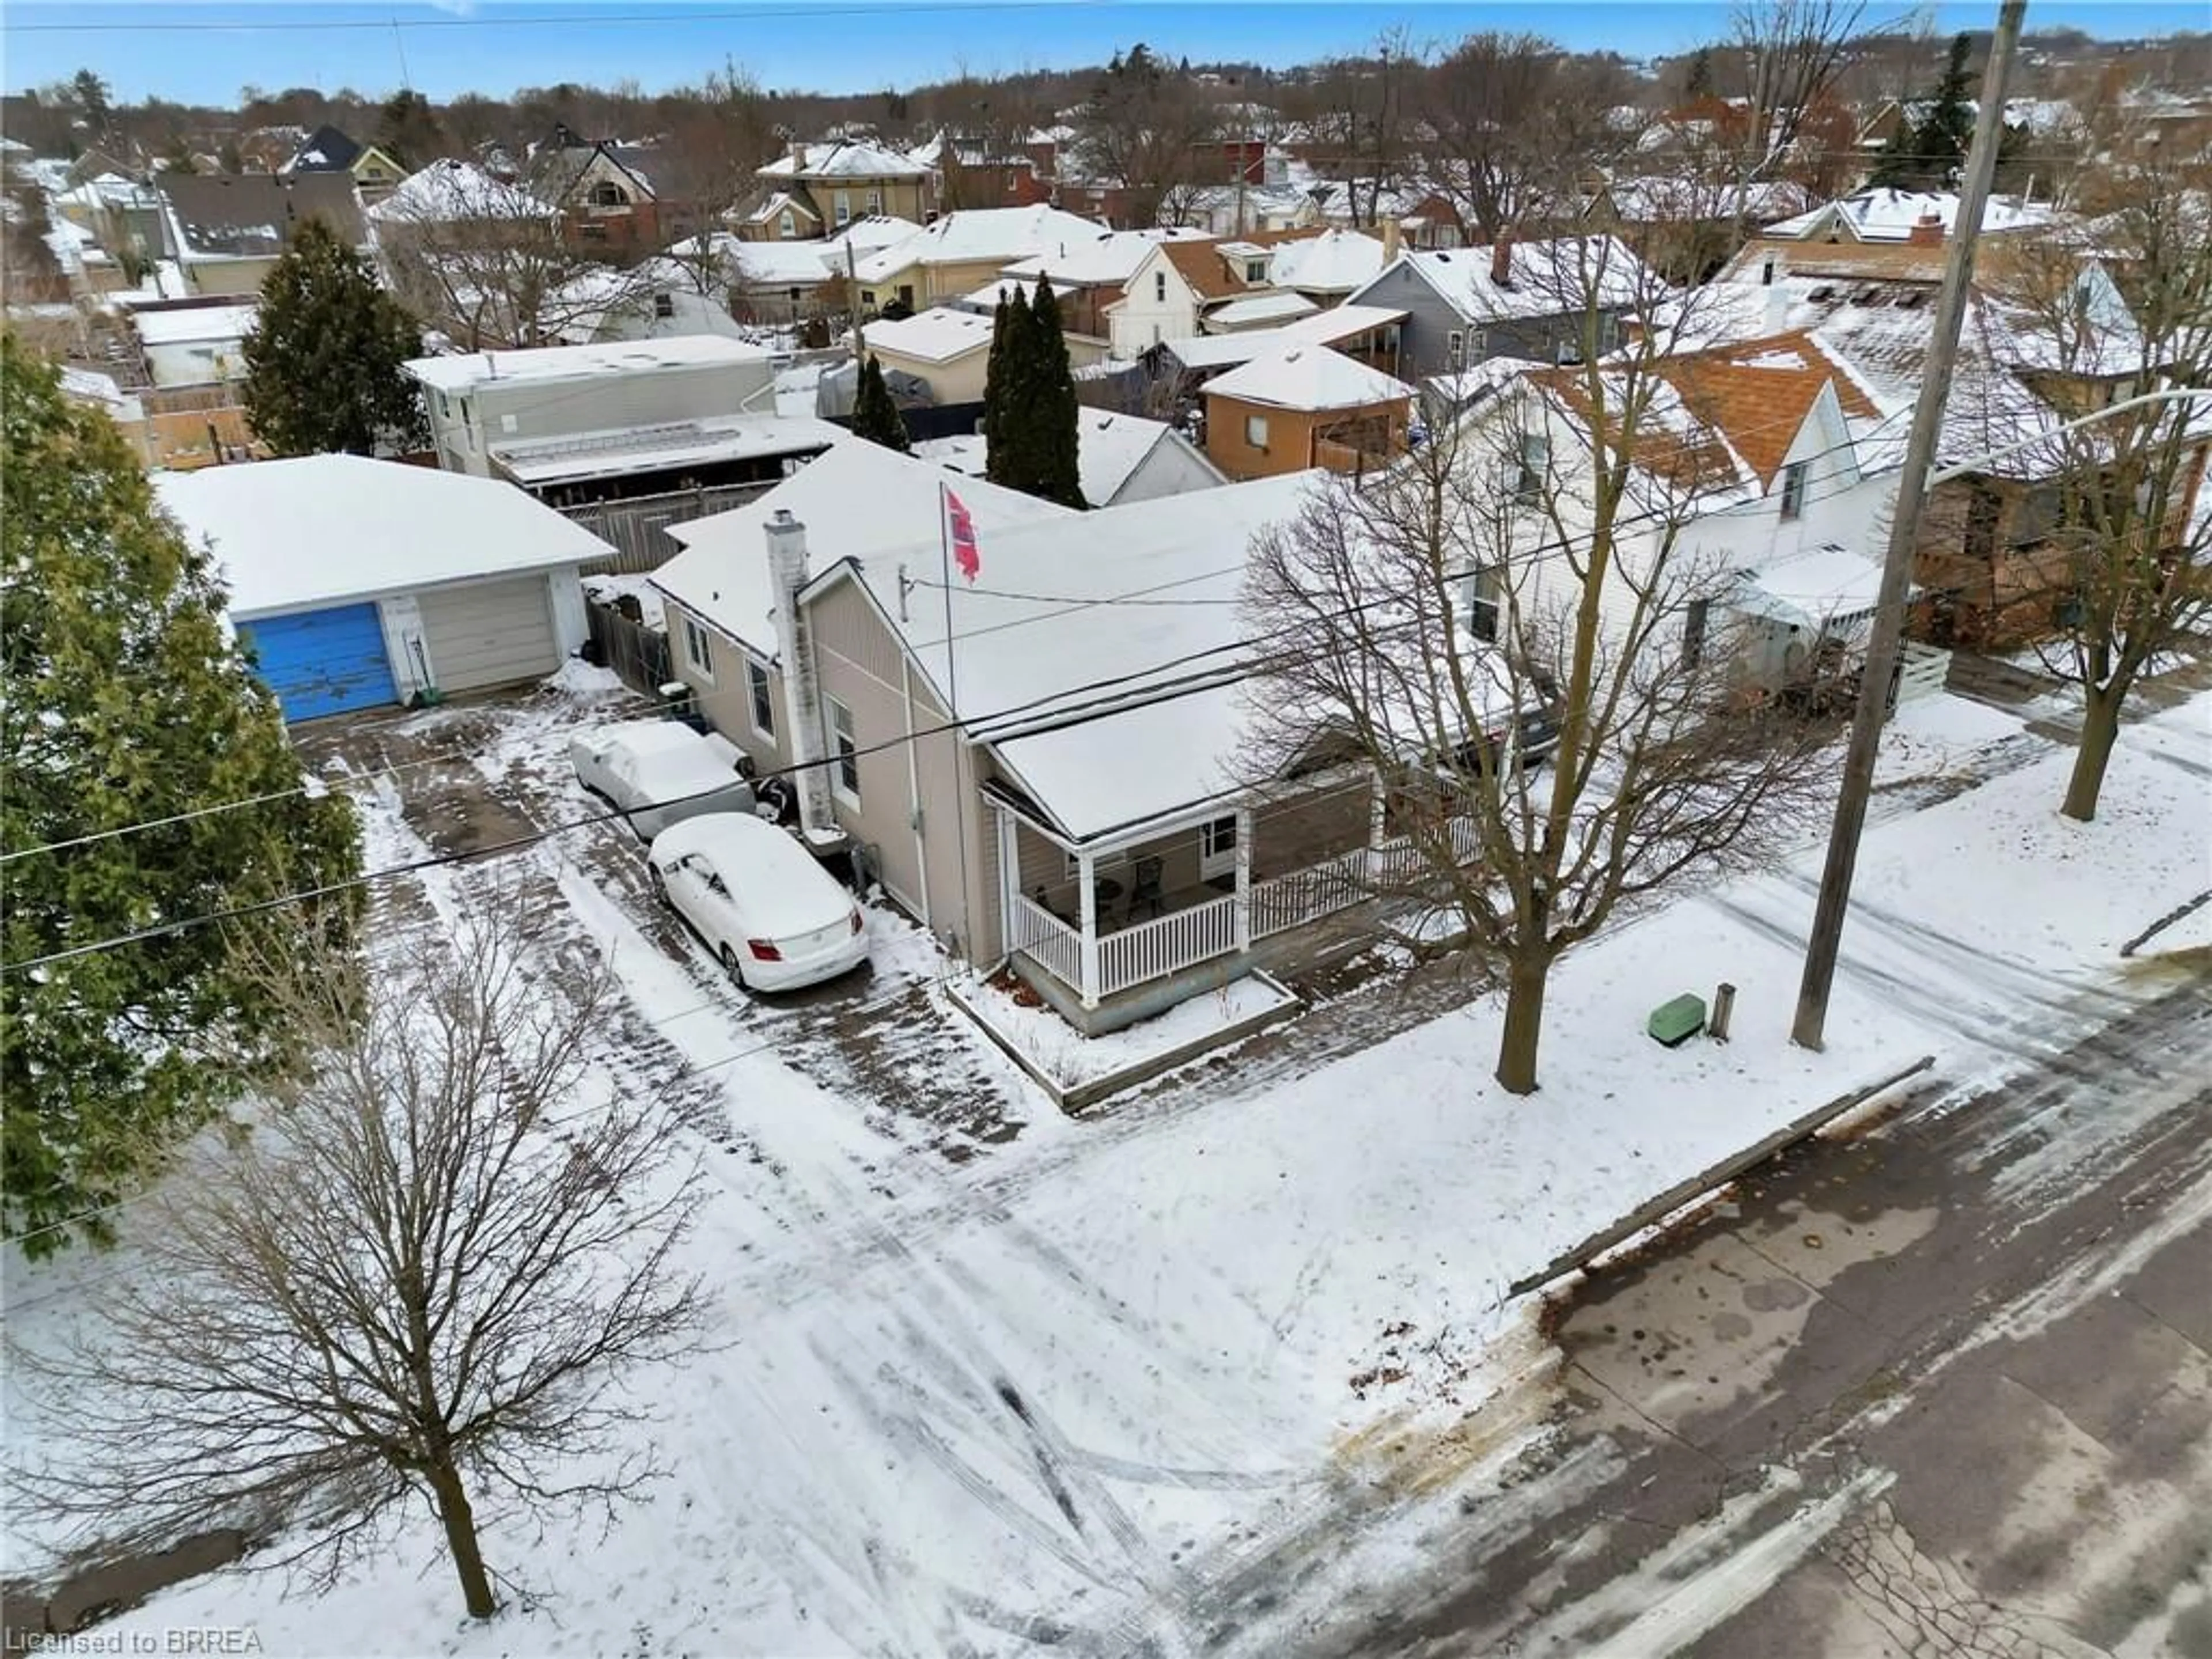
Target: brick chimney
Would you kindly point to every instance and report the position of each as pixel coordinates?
(802, 697)
(1927, 231)
(1501, 261)
(1389, 238)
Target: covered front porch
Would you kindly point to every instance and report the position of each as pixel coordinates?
(1124, 925)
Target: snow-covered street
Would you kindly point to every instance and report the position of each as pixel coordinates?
(997, 1380)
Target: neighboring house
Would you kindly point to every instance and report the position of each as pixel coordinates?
(1120, 459)
(1304, 407)
(604, 192)
(655, 300)
(1328, 269)
(1167, 294)
(1367, 333)
(477, 400)
(124, 218)
(961, 252)
(230, 229)
(327, 150)
(1532, 301)
(451, 192)
(817, 189)
(714, 452)
(1984, 554)
(1088, 276)
(1762, 473)
(779, 282)
(1882, 214)
(947, 349)
(1117, 855)
(194, 343)
(969, 172)
(419, 580)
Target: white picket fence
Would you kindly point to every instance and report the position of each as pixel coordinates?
(1166, 944)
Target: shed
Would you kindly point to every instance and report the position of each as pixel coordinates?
(357, 583)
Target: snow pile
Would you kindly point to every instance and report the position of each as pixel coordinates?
(577, 679)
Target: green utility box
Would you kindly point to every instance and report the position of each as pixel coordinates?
(1674, 1022)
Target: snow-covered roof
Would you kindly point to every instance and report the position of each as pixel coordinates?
(937, 336)
(1308, 377)
(1322, 328)
(621, 451)
(1134, 766)
(1261, 309)
(1811, 588)
(1882, 214)
(464, 370)
(1547, 278)
(1109, 447)
(856, 501)
(375, 527)
(1106, 258)
(845, 160)
(192, 322)
(976, 235)
(1335, 261)
(449, 192)
(91, 386)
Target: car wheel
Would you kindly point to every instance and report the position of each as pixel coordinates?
(730, 962)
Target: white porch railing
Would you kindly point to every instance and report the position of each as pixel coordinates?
(1044, 936)
(1155, 949)
(1303, 895)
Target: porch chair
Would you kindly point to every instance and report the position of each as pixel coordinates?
(1144, 887)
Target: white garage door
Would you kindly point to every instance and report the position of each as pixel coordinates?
(489, 633)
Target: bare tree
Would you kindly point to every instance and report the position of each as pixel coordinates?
(1792, 53)
(489, 266)
(1140, 130)
(418, 1280)
(1511, 133)
(1528, 580)
(2116, 307)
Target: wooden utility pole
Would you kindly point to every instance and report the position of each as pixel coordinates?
(1809, 1029)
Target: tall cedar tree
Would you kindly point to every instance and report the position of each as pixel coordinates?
(1055, 467)
(127, 705)
(876, 414)
(323, 365)
(1007, 378)
(1928, 154)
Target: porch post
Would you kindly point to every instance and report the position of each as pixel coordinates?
(1377, 821)
(1244, 910)
(1085, 866)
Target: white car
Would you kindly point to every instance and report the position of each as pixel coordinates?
(660, 772)
(776, 918)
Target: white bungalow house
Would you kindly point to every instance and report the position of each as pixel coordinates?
(1046, 777)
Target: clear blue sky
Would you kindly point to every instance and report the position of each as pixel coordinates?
(199, 52)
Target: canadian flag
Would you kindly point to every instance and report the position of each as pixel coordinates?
(960, 535)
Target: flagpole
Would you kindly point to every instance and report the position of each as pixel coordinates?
(952, 719)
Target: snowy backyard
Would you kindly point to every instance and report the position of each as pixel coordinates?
(985, 1378)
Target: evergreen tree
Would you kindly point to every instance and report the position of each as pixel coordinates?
(127, 705)
(1894, 167)
(323, 363)
(876, 414)
(1945, 131)
(1700, 81)
(1051, 452)
(1006, 383)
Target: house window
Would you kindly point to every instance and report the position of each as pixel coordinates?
(1693, 632)
(445, 408)
(845, 751)
(875, 202)
(1569, 351)
(1216, 848)
(1255, 271)
(764, 696)
(1160, 287)
(1255, 432)
(1984, 510)
(1608, 331)
(1455, 349)
(786, 227)
(1483, 589)
(843, 201)
(1535, 463)
(696, 650)
(1793, 489)
(608, 194)
(1766, 274)
(664, 305)
(591, 233)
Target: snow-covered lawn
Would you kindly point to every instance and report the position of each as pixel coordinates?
(1055, 1048)
(1077, 1396)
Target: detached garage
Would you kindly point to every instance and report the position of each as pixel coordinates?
(358, 583)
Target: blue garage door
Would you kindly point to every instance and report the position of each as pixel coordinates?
(322, 662)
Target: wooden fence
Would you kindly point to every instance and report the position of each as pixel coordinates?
(633, 527)
(638, 653)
